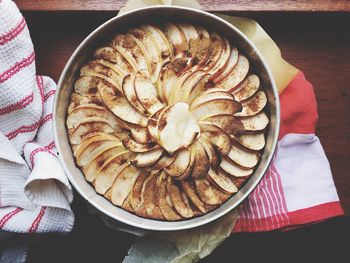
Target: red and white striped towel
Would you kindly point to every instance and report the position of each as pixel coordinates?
(34, 191)
(298, 187)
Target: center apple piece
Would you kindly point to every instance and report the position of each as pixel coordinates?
(179, 128)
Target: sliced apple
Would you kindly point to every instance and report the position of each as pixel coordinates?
(152, 124)
(87, 85)
(130, 93)
(233, 169)
(136, 198)
(147, 93)
(197, 89)
(211, 150)
(190, 190)
(136, 147)
(220, 65)
(123, 184)
(236, 76)
(81, 100)
(111, 55)
(177, 199)
(222, 181)
(164, 161)
(88, 126)
(217, 136)
(230, 65)
(140, 134)
(215, 50)
(215, 107)
(92, 169)
(247, 88)
(80, 113)
(202, 54)
(191, 36)
(95, 69)
(253, 105)
(165, 205)
(227, 122)
(175, 90)
(206, 193)
(189, 84)
(202, 161)
(177, 38)
(147, 159)
(160, 40)
(110, 171)
(177, 127)
(211, 94)
(127, 46)
(150, 50)
(242, 157)
(255, 123)
(181, 163)
(118, 104)
(254, 141)
(149, 196)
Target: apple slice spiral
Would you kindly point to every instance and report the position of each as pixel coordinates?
(167, 122)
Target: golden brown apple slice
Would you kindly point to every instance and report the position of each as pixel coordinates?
(165, 205)
(222, 181)
(254, 141)
(177, 128)
(123, 184)
(180, 164)
(147, 159)
(96, 69)
(90, 110)
(87, 85)
(130, 93)
(164, 161)
(150, 50)
(140, 134)
(202, 53)
(206, 193)
(215, 107)
(136, 147)
(127, 46)
(149, 196)
(118, 104)
(113, 56)
(233, 169)
(191, 36)
(92, 169)
(227, 122)
(255, 123)
(198, 88)
(247, 88)
(202, 162)
(177, 39)
(236, 76)
(215, 50)
(113, 67)
(220, 65)
(253, 105)
(110, 171)
(147, 93)
(160, 40)
(152, 124)
(189, 84)
(190, 190)
(243, 157)
(174, 94)
(81, 100)
(211, 94)
(217, 137)
(211, 150)
(230, 65)
(87, 126)
(179, 200)
(136, 198)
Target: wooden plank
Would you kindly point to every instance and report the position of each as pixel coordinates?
(208, 5)
(315, 44)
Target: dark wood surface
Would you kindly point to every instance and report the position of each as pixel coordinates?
(208, 5)
(318, 44)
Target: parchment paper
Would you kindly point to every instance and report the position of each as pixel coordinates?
(192, 245)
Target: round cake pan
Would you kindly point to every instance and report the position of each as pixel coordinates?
(101, 35)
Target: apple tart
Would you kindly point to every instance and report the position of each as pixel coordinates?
(167, 121)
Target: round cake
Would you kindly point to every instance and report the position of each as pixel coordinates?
(167, 121)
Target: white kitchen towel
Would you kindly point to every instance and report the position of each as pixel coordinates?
(34, 190)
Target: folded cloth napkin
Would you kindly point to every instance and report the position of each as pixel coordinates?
(34, 190)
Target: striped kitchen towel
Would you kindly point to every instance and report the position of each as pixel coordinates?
(34, 191)
(298, 187)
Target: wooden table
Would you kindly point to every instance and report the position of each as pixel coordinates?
(316, 42)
